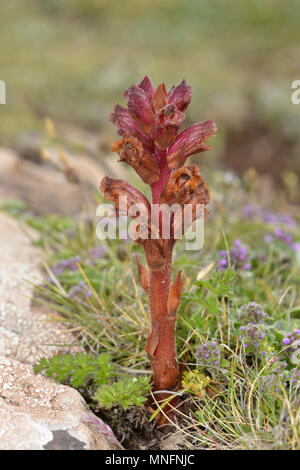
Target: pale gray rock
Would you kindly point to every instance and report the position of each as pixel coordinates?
(26, 332)
(35, 412)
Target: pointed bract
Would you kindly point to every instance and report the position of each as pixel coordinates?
(190, 141)
(115, 190)
(167, 123)
(140, 108)
(159, 99)
(147, 86)
(143, 275)
(180, 95)
(123, 120)
(126, 124)
(174, 297)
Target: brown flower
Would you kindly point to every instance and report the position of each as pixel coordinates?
(180, 95)
(185, 185)
(187, 189)
(167, 123)
(131, 151)
(114, 189)
(190, 141)
(159, 99)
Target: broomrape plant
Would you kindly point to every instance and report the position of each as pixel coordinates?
(152, 145)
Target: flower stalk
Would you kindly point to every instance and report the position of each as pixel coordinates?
(152, 145)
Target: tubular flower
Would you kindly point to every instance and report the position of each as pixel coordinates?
(184, 185)
(154, 147)
(131, 151)
(190, 141)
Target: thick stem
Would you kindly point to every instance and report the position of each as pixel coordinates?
(161, 346)
(157, 187)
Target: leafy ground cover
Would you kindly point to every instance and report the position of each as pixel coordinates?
(238, 331)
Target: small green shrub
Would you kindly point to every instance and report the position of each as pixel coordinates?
(84, 370)
(125, 392)
(78, 369)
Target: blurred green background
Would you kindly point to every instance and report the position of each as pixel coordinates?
(72, 59)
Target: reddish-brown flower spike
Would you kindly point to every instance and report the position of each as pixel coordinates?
(190, 141)
(151, 145)
(131, 151)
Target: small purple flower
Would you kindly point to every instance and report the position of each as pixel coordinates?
(251, 335)
(80, 289)
(96, 253)
(295, 376)
(284, 237)
(208, 353)
(238, 257)
(69, 264)
(223, 263)
(251, 313)
(286, 341)
(280, 377)
(293, 341)
(255, 212)
(269, 238)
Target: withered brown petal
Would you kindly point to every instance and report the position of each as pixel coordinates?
(166, 125)
(184, 184)
(180, 95)
(131, 151)
(190, 141)
(159, 99)
(114, 189)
